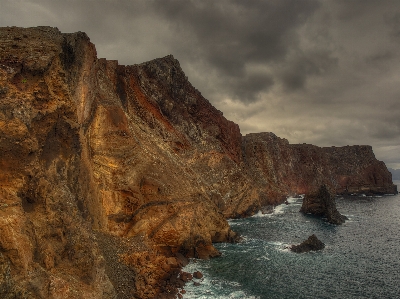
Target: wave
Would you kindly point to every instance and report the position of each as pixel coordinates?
(261, 214)
(292, 199)
(211, 286)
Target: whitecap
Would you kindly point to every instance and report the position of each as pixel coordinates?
(294, 200)
(279, 209)
(263, 258)
(212, 288)
(276, 243)
(260, 214)
(285, 248)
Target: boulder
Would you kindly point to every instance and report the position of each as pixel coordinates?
(198, 275)
(311, 244)
(185, 277)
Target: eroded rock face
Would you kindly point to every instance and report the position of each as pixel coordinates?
(85, 145)
(280, 168)
(356, 170)
(130, 152)
(322, 203)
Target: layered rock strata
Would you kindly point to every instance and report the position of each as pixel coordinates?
(283, 168)
(85, 146)
(93, 152)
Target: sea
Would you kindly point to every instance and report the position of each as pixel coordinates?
(361, 258)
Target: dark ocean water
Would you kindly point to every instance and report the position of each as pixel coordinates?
(361, 258)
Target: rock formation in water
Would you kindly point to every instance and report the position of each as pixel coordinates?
(322, 203)
(311, 244)
(109, 174)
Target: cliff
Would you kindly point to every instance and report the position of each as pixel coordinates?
(110, 173)
(284, 168)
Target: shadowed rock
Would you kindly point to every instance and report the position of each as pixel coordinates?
(322, 203)
(311, 244)
(198, 275)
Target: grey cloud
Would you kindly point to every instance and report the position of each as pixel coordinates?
(248, 87)
(393, 22)
(356, 8)
(305, 65)
(229, 35)
(381, 57)
(315, 71)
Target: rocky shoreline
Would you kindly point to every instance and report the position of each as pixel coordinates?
(112, 175)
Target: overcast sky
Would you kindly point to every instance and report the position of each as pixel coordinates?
(325, 72)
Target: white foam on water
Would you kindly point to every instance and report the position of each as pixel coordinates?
(351, 218)
(233, 295)
(285, 249)
(295, 200)
(263, 258)
(211, 287)
(214, 288)
(261, 214)
(280, 209)
(276, 243)
(211, 294)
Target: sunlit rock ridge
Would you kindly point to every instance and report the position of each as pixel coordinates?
(106, 167)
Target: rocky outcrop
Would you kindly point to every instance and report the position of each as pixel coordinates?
(280, 168)
(322, 203)
(356, 170)
(93, 152)
(311, 244)
(87, 146)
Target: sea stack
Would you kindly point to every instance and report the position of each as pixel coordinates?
(322, 203)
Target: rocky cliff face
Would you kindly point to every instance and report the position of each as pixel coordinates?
(284, 168)
(109, 172)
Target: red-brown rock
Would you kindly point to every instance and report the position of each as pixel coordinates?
(280, 168)
(198, 275)
(185, 277)
(90, 147)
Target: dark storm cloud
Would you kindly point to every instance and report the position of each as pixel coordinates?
(305, 65)
(394, 24)
(346, 9)
(230, 35)
(317, 71)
